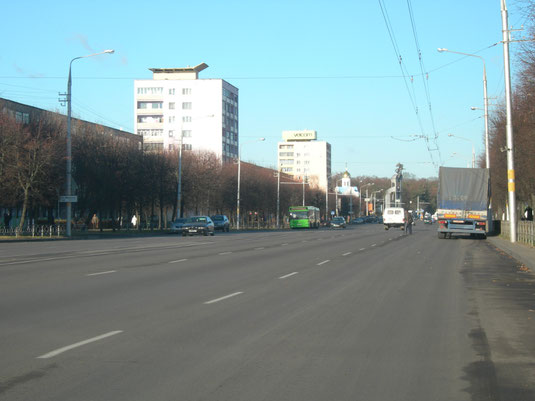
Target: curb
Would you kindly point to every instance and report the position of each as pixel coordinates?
(523, 253)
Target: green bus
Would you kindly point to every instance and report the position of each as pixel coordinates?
(304, 217)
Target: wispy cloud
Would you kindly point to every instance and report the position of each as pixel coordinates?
(82, 39)
(22, 71)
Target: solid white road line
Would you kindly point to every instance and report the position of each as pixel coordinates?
(213, 301)
(98, 274)
(322, 263)
(347, 253)
(362, 249)
(225, 253)
(374, 245)
(178, 261)
(288, 275)
(79, 344)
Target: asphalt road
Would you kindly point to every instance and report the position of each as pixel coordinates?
(354, 314)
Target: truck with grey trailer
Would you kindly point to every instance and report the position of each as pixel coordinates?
(463, 202)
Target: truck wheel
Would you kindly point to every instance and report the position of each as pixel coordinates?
(441, 235)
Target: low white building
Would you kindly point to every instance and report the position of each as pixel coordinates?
(176, 107)
(302, 155)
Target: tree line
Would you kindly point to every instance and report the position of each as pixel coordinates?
(115, 178)
(523, 119)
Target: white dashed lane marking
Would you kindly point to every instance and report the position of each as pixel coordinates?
(289, 275)
(213, 301)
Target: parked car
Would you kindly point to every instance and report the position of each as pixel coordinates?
(221, 222)
(198, 225)
(338, 222)
(358, 220)
(176, 226)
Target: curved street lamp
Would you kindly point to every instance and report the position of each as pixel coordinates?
(473, 149)
(485, 99)
(68, 188)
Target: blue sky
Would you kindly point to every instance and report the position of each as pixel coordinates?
(323, 65)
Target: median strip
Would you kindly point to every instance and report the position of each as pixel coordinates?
(213, 301)
(79, 344)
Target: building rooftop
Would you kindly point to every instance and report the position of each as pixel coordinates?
(177, 73)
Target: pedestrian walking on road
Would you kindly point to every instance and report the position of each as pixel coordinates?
(408, 223)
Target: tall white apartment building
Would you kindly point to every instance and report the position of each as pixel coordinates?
(302, 155)
(176, 107)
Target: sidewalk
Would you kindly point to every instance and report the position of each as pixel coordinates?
(523, 253)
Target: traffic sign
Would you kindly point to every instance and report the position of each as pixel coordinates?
(68, 199)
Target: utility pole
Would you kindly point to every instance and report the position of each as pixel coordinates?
(509, 125)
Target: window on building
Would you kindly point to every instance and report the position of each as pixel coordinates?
(186, 106)
(186, 119)
(150, 119)
(150, 91)
(171, 133)
(186, 146)
(186, 91)
(154, 147)
(149, 105)
(186, 133)
(171, 91)
(171, 119)
(150, 132)
(171, 105)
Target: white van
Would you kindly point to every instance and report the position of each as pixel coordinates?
(394, 217)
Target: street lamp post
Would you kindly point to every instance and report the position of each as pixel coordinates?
(304, 182)
(278, 194)
(375, 199)
(473, 149)
(485, 100)
(239, 178)
(366, 185)
(68, 187)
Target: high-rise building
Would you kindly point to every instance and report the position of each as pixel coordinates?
(176, 107)
(301, 155)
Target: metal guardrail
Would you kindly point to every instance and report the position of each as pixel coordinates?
(33, 231)
(525, 231)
